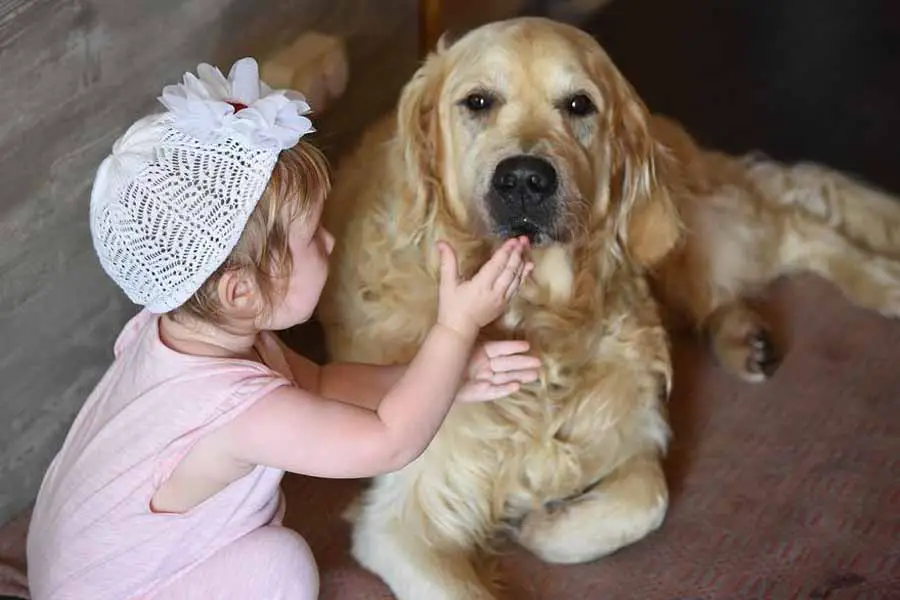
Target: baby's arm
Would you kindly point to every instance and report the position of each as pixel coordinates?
(495, 369)
(359, 384)
(303, 432)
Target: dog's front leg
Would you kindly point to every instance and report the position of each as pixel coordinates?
(395, 538)
(624, 507)
(413, 569)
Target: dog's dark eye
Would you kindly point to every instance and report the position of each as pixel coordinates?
(579, 105)
(478, 102)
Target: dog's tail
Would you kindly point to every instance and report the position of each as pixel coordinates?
(837, 227)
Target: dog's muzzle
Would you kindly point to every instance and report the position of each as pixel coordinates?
(523, 198)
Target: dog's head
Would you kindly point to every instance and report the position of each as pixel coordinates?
(526, 127)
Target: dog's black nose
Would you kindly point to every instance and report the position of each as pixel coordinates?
(525, 179)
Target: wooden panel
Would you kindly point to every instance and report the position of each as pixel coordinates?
(75, 73)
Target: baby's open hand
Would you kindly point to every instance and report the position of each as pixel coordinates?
(467, 306)
(498, 369)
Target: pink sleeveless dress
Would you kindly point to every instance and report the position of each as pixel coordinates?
(93, 535)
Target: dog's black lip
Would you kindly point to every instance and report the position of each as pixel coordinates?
(536, 234)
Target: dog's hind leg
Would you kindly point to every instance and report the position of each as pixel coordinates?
(740, 337)
(838, 228)
(742, 341)
(866, 279)
(862, 215)
(707, 282)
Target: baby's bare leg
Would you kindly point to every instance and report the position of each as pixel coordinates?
(271, 562)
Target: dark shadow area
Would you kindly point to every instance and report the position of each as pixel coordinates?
(797, 79)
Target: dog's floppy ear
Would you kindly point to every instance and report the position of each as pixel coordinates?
(419, 136)
(648, 226)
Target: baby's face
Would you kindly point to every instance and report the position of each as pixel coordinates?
(310, 246)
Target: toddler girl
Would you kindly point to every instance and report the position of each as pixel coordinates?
(167, 484)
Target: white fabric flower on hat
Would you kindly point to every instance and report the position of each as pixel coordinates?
(209, 107)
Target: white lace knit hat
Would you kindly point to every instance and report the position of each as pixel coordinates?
(170, 203)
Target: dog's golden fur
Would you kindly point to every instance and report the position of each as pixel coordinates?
(571, 466)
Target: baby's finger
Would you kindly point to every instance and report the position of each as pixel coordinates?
(512, 288)
(449, 263)
(486, 391)
(497, 263)
(514, 362)
(529, 269)
(523, 273)
(502, 391)
(510, 271)
(524, 376)
(505, 347)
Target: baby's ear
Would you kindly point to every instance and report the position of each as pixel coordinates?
(238, 293)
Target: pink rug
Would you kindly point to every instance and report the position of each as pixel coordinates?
(12, 558)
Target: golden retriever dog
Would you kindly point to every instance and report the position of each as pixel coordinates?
(526, 127)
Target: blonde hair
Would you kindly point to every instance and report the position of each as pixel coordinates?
(300, 180)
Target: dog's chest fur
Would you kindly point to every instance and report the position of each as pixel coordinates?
(604, 355)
